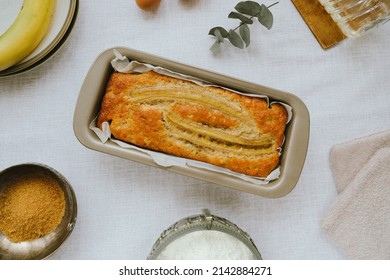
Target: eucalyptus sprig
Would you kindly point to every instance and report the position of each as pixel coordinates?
(246, 11)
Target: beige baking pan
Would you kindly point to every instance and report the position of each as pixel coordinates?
(297, 131)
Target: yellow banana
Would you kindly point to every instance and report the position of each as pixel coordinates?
(26, 32)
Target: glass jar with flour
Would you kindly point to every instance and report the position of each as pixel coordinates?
(204, 237)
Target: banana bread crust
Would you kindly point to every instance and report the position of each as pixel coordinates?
(210, 124)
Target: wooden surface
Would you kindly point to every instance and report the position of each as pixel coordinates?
(320, 22)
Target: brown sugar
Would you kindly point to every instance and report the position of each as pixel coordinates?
(31, 206)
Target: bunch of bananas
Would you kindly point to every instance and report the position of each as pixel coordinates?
(26, 32)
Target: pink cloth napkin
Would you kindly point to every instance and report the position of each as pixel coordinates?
(359, 220)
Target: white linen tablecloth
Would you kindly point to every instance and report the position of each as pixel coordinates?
(123, 205)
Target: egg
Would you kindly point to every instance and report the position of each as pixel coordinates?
(147, 4)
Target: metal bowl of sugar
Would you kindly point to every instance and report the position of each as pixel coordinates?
(38, 211)
(204, 237)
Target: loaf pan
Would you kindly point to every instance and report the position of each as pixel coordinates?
(294, 149)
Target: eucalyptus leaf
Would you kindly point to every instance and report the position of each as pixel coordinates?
(218, 35)
(265, 17)
(240, 36)
(245, 34)
(251, 8)
(216, 47)
(222, 31)
(235, 39)
(241, 17)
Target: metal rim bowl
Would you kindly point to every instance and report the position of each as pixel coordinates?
(202, 222)
(45, 246)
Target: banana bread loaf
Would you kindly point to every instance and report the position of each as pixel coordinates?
(210, 124)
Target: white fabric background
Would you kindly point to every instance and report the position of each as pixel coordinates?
(123, 205)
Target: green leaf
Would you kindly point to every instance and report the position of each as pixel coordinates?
(246, 12)
(219, 36)
(241, 17)
(221, 30)
(265, 17)
(248, 7)
(216, 47)
(245, 34)
(235, 39)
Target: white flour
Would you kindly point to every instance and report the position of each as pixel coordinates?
(206, 245)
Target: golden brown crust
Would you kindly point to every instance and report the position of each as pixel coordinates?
(208, 124)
